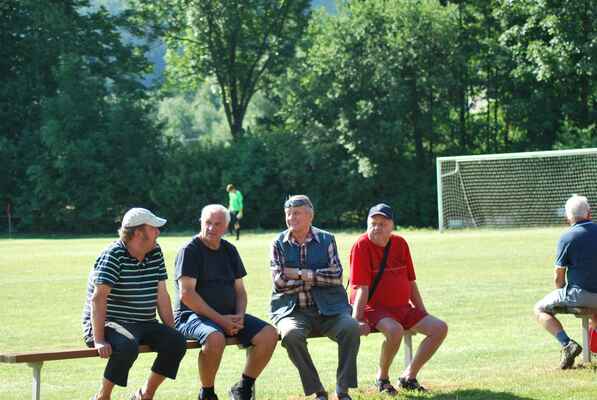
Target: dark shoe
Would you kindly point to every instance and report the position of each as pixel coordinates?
(569, 353)
(384, 386)
(343, 396)
(241, 392)
(321, 396)
(410, 384)
(207, 396)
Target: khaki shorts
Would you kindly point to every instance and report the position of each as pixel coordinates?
(566, 297)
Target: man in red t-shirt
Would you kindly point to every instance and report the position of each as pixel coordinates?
(396, 304)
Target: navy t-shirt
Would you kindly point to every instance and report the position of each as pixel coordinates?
(577, 251)
(215, 271)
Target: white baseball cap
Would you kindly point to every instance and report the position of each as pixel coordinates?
(141, 216)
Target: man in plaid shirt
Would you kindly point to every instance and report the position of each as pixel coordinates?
(308, 298)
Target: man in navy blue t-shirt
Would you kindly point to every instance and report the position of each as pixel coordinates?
(211, 305)
(575, 276)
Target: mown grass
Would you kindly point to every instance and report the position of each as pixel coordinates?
(483, 283)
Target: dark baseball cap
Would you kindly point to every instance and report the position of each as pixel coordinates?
(381, 209)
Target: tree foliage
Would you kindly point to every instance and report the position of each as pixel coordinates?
(242, 43)
(351, 108)
(81, 145)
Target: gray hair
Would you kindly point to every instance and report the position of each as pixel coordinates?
(213, 209)
(577, 208)
(299, 200)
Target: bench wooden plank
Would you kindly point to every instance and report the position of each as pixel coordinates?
(67, 354)
(36, 359)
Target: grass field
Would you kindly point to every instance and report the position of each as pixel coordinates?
(483, 283)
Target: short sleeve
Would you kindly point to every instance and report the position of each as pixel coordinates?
(162, 273)
(406, 257)
(187, 263)
(562, 254)
(360, 264)
(238, 266)
(107, 269)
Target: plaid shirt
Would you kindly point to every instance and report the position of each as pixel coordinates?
(329, 276)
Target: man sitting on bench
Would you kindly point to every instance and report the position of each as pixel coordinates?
(575, 276)
(385, 296)
(126, 285)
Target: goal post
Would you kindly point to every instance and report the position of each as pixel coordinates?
(512, 189)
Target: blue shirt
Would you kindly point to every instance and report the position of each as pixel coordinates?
(577, 251)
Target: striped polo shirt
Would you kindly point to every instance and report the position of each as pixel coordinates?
(134, 293)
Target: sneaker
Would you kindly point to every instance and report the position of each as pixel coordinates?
(241, 392)
(384, 386)
(410, 384)
(343, 396)
(207, 396)
(321, 396)
(569, 353)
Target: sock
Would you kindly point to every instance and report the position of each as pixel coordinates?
(247, 381)
(208, 390)
(562, 338)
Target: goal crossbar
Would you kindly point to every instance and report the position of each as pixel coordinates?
(467, 185)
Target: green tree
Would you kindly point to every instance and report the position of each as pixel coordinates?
(553, 45)
(77, 116)
(242, 43)
(376, 82)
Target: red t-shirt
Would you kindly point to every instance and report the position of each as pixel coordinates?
(394, 286)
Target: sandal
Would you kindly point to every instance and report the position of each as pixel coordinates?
(384, 386)
(411, 384)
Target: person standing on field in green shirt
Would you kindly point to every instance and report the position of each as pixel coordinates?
(235, 206)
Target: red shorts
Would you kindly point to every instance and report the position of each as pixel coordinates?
(406, 315)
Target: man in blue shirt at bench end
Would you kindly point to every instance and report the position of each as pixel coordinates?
(575, 276)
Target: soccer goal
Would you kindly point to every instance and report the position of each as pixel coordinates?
(513, 190)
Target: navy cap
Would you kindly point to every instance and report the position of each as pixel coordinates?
(381, 209)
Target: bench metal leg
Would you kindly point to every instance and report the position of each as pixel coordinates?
(36, 379)
(408, 349)
(586, 351)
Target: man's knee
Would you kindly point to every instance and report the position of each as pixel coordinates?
(293, 337)
(440, 329)
(349, 329)
(215, 342)
(177, 344)
(541, 311)
(392, 331)
(125, 350)
(267, 336)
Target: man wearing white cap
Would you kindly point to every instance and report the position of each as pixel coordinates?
(125, 287)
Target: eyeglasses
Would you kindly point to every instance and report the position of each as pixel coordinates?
(297, 203)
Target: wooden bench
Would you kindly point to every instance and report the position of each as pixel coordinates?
(584, 313)
(36, 359)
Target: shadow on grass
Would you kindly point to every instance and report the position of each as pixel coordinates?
(468, 394)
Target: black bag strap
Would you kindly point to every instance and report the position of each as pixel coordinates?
(382, 267)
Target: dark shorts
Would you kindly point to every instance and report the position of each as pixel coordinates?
(233, 218)
(199, 328)
(125, 338)
(407, 315)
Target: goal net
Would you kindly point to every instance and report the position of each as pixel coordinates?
(513, 190)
